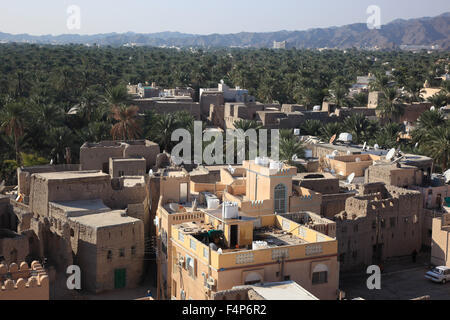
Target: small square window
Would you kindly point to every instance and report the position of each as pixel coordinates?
(122, 252)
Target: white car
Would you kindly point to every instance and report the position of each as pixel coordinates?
(439, 274)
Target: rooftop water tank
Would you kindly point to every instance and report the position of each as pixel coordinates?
(230, 210)
(212, 203)
(345, 137)
(276, 165)
(317, 108)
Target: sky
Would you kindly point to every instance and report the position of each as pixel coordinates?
(201, 16)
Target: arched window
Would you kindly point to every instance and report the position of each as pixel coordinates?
(280, 198)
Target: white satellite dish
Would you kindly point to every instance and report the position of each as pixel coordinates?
(150, 172)
(433, 108)
(417, 145)
(349, 152)
(294, 157)
(332, 171)
(364, 146)
(51, 162)
(350, 178)
(376, 147)
(390, 154)
(335, 153)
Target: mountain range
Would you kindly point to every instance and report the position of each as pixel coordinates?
(420, 32)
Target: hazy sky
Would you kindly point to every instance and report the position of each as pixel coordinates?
(202, 16)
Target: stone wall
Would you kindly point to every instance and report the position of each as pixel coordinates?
(14, 247)
(391, 219)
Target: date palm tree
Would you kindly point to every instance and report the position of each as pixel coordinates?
(437, 145)
(127, 126)
(12, 122)
(390, 106)
(162, 131)
(311, 127)
(330, 129)
(426, 122)
(438, 100)
(358, 125)
(116, 96)
(290, 147)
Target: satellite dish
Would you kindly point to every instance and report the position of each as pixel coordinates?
(433, 108)
(364, 146)
(417, 145)
(294, 157)
(376, 147)
(51, 162)
(335, 153)
(349, 153)
(390, 154)
(350, 178)
(333, 139)
(150, 172)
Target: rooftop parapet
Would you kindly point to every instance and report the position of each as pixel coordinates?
(18, 282)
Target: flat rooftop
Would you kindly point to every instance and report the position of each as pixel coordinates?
(314, 176)
(81, 207)
(105, 219)
(65, 175)
(274, 236)
(283, 291)
(137, 159)
(358, 149)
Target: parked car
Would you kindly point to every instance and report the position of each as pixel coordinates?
(439, 274)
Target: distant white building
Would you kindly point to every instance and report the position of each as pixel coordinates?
(279, 45)
(230, 95)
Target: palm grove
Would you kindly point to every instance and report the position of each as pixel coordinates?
(54, 98)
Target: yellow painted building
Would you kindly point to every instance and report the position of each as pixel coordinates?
(244, 240)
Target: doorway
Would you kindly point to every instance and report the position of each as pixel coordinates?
(234, 236)
(120, 278)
